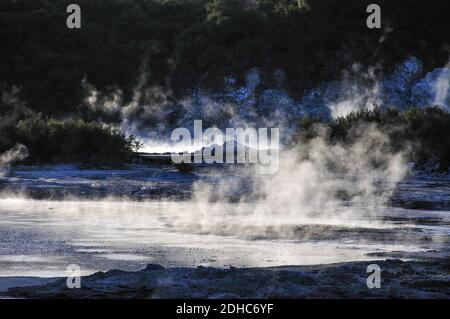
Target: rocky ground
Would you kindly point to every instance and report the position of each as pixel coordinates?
(399, 279)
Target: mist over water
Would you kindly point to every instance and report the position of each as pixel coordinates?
(18, 153)
(313, 184)
(327, 203)
(229, 217)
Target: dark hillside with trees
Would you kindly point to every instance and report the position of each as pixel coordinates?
(194, 43)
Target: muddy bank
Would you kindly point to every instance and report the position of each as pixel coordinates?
(399, 279)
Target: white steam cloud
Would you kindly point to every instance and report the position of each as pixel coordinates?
(442, 88)
(17, 153)
(154, 111)
(357, 94)
(318, 183)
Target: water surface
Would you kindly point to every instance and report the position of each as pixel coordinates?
(51, 217)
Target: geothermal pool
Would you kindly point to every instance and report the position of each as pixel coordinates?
(51, 217)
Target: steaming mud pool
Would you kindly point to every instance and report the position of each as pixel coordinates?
(165, 240)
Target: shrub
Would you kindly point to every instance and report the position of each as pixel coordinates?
(76, 141)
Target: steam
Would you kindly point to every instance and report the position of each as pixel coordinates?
(442, 88)
(18, 153)
(362, 92)
(318, 184)
(155, 111)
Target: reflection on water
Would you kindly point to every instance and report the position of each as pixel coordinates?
(154, 222)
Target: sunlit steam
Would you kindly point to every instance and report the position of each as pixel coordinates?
(442, 88)
(18, 153)
(318, 183)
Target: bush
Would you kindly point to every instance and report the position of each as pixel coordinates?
(74, 141)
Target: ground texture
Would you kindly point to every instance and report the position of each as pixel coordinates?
(399, 279)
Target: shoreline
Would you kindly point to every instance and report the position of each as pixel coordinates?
(399, 279)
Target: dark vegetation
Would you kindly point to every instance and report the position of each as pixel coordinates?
(72, 140)
(194, 43)
(424, 134)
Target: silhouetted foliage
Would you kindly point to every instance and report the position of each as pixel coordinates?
(72, 141)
